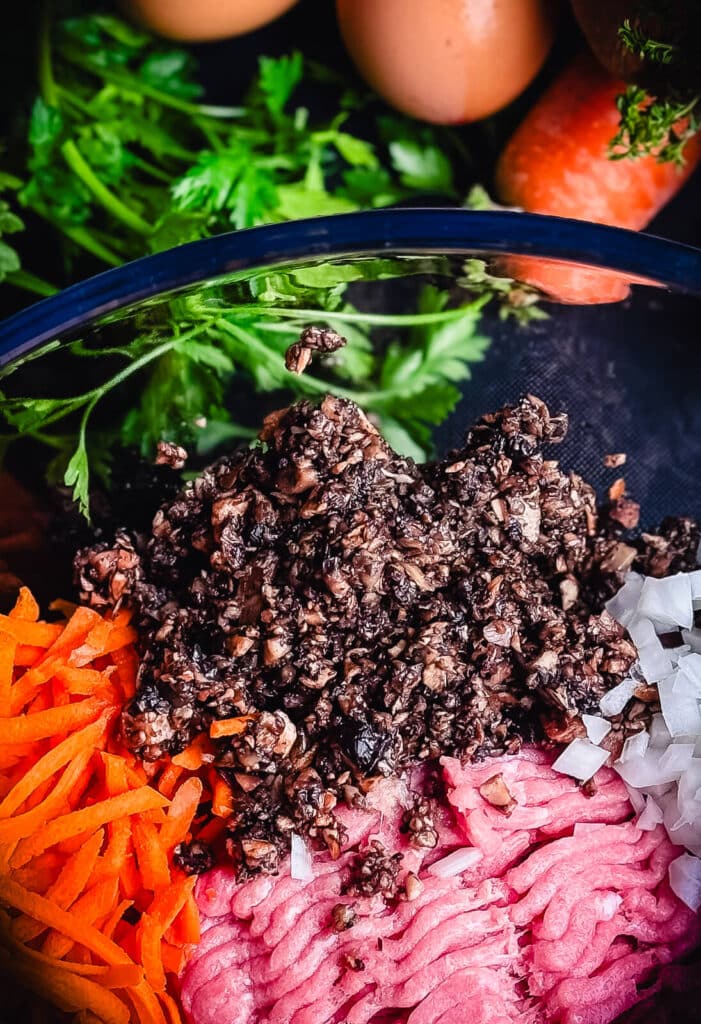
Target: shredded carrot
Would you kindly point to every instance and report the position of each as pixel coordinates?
(40, 875)
(117, 850)
(116, 638)
(126, 661)
(169, 779)
(67, 887)
(173, 958)
(193, 757)
(77, 822)
(87, 831)
(51, 722)
(161, 914)
(8, 648)
(211, 831)
(82, 681)
(46, 911)
(27, 824)
(171, 1008)
(115, 918)
(229, 726)
(129, 878)
(222, 798)
(118, 976)
(47, 766)
(37, 634)
(69, 991)
(94, 905)
(182, 810)
(115, 774)
(151, 856)
(185, 929)
(25, 607)
(26, 655)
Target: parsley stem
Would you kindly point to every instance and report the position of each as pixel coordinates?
(372, 319)
(31, 283)
(10, 181)
(81, 236)
(47, 83)
(304, 382)
(79, 165)
(131, 84)
(145, 359)
(90, 398)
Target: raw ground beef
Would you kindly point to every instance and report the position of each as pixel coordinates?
(565, 914)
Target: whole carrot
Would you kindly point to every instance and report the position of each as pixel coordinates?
(559, 162)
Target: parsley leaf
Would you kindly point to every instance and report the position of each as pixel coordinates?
(422, 167)
(278, 79)
(10, 223)
(651, 125)
(638, 42)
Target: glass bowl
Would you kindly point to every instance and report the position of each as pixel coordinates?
(626, 372)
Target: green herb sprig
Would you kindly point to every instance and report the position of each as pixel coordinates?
(652, 126)
(408, 385)
(123, 158)
(638, 42)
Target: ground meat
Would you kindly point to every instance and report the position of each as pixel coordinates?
(362, 613)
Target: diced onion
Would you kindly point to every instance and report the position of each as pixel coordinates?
(680, 708)
(635, 746)
(623, 605)
(581, 759)
(456, 862)
(677, 757)
(690, 670)
(613, 702)
(301, 865)
(596, 726)
(660, 735)
(651, 815)
(667, 601)
(685, 880)
(692, 637)
(636, 797)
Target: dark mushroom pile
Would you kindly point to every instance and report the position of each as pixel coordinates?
(361, 613)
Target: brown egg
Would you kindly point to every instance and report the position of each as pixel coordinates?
(447, 61)
(200, 20)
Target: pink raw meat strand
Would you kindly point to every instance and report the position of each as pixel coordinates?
(547, 927)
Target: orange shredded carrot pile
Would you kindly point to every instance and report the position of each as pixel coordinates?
(95, 917)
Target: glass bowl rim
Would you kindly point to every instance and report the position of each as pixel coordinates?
(415, 231)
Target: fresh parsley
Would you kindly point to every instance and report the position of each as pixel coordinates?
(655, 126)
(122, 157)
(649, 124)
(638, 42)
(402, 368)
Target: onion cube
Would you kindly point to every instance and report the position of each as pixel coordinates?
(635, 746)
(680, 709)
(685, 880)
(596, 726)
(623, 605)
(613, 702)
(667, 601)
(581, 759)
